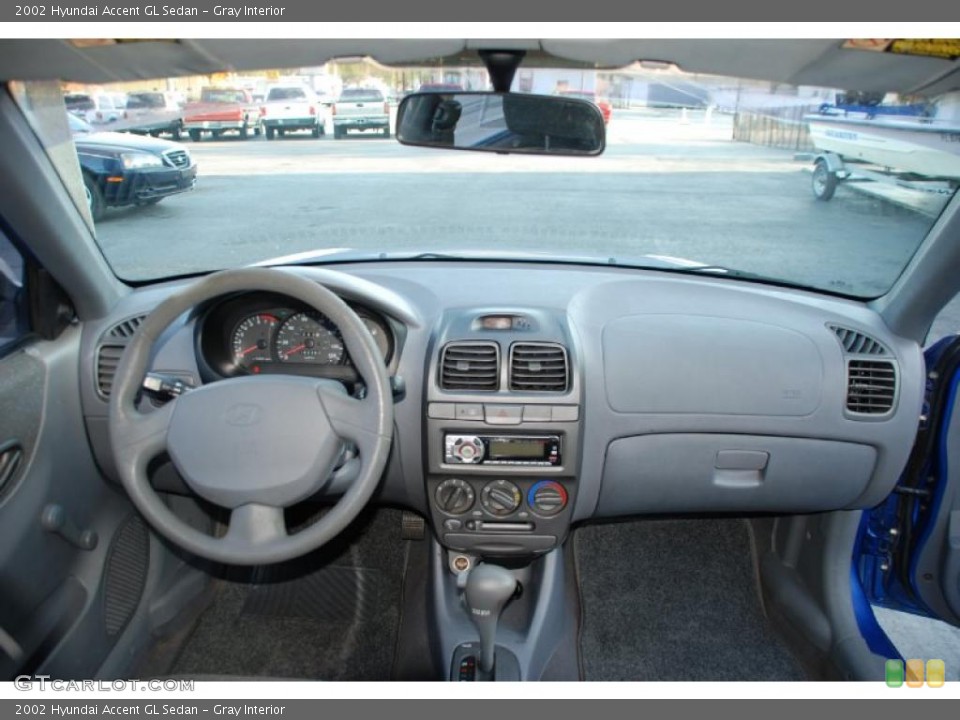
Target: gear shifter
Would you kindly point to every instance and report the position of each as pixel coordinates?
(488, 589)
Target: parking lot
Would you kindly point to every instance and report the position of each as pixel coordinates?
(669, 183)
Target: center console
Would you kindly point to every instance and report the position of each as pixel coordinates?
(503, 410)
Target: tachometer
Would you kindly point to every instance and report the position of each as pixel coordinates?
(309, 337)
(252, 339)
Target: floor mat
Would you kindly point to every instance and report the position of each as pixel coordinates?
(674, 600)
(333, 617)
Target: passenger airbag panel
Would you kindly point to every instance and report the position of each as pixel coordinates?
(709, 366)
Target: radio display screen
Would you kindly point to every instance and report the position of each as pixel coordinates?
(505, 449)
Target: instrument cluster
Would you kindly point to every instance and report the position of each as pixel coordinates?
(265, 333)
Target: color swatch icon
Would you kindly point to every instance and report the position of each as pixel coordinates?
(936, 673)
(894, 673)
(914, 673)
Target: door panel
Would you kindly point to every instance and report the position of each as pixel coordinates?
(49, 583)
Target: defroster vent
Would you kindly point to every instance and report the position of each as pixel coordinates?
(871, 386)
(125, 330)
(855, 342)
(539, 367)
(470, 366)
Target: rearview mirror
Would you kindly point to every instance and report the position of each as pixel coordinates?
(502, 123)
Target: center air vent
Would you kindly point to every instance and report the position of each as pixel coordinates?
(108, 358)
(470, 366)
(538, 367)
(871, 386)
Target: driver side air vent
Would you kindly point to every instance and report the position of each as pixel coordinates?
(871, 386)
(108, 358)
(470, 366)
(538, 367)
(857, 343)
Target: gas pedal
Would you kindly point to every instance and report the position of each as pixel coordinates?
(413, 527)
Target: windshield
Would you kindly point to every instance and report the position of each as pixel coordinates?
(145, 100)
(700, 174)
(286, 94)
(361, 95)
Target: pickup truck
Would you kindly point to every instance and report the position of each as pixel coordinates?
(221, 110)
(360, 109)
(153, 113)
(292, 107)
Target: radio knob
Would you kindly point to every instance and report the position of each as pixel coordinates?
(468, 450)
(547, 497)
(454, 496)
(501, 498)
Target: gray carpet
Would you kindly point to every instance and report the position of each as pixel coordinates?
(672, 600)
(333, 617)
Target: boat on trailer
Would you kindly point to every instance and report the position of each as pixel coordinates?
(917, 152)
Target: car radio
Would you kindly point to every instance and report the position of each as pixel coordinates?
(502, 450)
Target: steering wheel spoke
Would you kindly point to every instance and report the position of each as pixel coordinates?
(255, 525)
(352, 420)
(143, 436)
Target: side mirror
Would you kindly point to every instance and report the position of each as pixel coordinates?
(502, 123)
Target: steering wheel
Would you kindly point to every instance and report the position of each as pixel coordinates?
(255, 444)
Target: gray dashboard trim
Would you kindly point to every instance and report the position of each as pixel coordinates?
(587, 299)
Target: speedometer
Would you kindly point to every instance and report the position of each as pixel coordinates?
(310, 337)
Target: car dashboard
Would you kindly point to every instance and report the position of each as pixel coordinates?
(530, 396)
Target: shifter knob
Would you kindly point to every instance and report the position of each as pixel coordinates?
(488, 589)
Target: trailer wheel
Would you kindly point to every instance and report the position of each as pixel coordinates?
(269, 133)
(194, 135)
(824, 182)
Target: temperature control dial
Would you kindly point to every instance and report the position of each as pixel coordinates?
(547, 497)
(454, 496)
(500, 498)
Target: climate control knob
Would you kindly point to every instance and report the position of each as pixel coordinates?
(454, 496)
(547, 497)
(500, 498)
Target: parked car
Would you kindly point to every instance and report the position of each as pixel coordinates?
(291, 108)
(221, 110)
(154, 113)
(96, 108)
(361, 109)
(606, 109)
(123, 169)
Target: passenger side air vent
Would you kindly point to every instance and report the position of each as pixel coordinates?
(108, 358)
(857, 343)
(470, 366)
(538, 367)
(871, 386)
(127, 328)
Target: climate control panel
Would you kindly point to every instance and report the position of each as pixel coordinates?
(510, 515)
